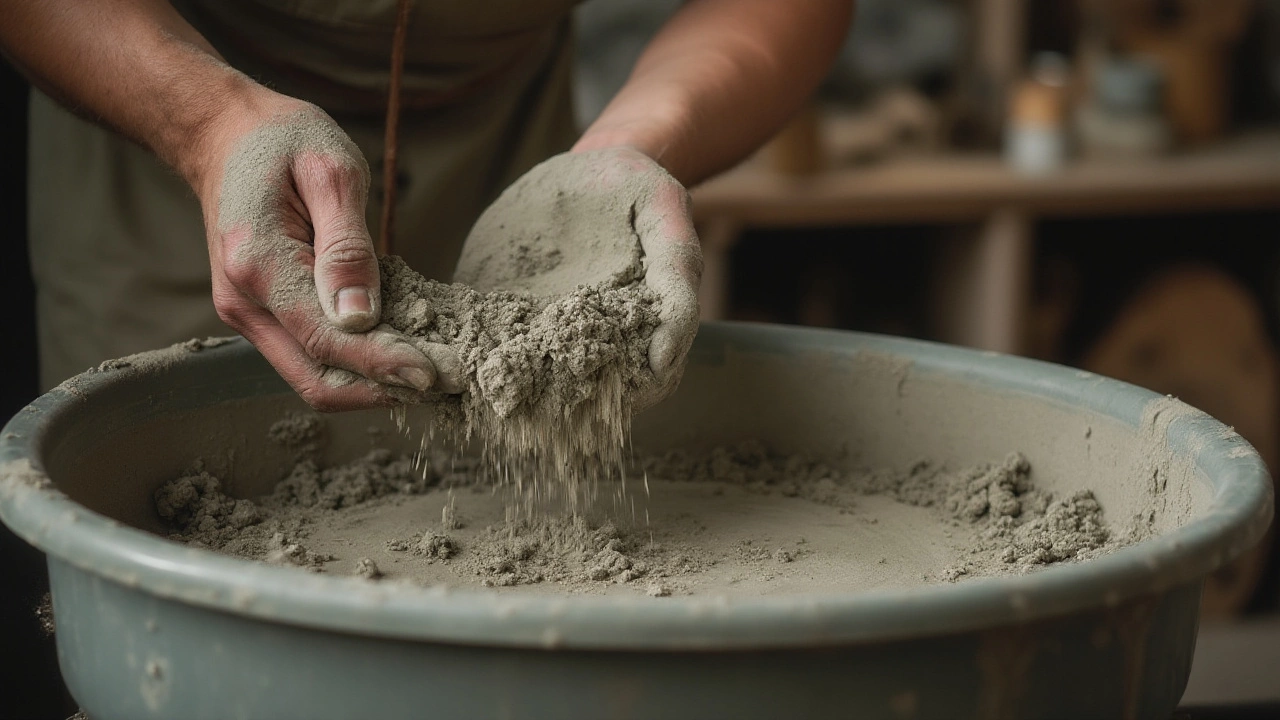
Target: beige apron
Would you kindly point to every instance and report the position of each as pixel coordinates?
(117, 243)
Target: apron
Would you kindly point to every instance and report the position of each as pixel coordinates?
(118, 250)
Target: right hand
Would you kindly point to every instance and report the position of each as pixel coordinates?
(294, 267)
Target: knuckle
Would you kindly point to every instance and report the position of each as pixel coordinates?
(348, 250)
(239, 272)
(342, 173)
(315, 396)
(338, 176)
(335, 348)
(317, 342)
(230, 315)
(230, 310)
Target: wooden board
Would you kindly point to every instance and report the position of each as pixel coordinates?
(1242, 173)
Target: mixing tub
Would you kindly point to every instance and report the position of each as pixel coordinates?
(148, 628)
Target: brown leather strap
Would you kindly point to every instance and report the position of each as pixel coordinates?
(393, 127)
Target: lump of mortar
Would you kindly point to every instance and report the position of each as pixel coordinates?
(436, 545)
(658, 590)
(552, 376)
(1020, 524)
(1070, 528)
(367, 569)
(378, 473)
(997, 491)
(551, 549)
(283, 551)
(197, 502)
(302, 432)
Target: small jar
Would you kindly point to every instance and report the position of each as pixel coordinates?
(1036, 131)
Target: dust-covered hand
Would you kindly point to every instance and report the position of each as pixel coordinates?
(294, 268)
(604, 215)
(673, 260)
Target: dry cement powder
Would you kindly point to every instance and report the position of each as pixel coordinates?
(735, 520)
(552, 321)
(548, 380)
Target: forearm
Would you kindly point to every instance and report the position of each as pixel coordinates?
(135, 66)
(719, 79)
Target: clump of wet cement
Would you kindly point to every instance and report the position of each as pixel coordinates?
(553, 319)
(549, 381)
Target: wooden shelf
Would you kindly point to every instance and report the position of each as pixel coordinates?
(1241, 173)
(983, 300)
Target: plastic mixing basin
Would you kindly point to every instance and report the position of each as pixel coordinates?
(150, 628)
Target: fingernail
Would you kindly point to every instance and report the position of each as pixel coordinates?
(352, 300)
(416, 377)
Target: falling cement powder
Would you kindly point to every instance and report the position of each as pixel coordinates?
(552, 324)
(738, 519)
(548, 380)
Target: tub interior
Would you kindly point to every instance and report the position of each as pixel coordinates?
(851, 405)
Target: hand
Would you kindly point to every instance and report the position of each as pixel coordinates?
(589, 209)
(673, 266)
(294, 268)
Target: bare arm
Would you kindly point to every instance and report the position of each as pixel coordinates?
(293, 266)
(135, 66)
(719, 79)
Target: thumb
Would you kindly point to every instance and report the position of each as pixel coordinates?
(673, 270)
(334, 190)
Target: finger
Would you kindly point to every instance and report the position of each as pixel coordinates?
(334, 190)
(324, 388)
(673, 270)
(450, 376)
(380, 354)
(274, 271)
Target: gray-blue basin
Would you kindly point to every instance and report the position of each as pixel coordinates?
(148, 628)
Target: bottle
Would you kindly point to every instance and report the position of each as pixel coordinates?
(1036, 131)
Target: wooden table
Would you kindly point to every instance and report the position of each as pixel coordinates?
(987, 293)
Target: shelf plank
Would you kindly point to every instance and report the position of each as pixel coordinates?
(1241, 173)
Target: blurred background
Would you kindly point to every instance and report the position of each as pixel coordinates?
(1091, 182)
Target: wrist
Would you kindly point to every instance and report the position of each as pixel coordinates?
(656, 135)
(639, 136)
(234, 108)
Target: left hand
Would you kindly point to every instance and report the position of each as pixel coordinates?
(602, 183)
